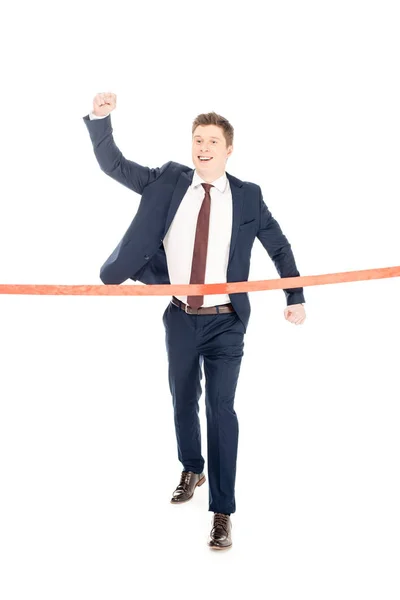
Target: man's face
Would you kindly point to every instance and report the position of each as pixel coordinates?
(208, 141)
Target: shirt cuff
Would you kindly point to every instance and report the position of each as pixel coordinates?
(92, 116)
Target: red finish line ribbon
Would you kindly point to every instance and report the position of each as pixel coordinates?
(199, 289)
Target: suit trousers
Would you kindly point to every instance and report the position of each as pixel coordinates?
(215, 342)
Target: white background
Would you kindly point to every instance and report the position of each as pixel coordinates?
(87, 442)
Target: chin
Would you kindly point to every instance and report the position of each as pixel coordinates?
(206, 167)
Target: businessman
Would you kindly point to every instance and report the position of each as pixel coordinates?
(197, 226)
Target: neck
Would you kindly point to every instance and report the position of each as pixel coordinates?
(209, 178)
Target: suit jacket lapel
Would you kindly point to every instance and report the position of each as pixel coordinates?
(237, 202)
(237, 191)
(180, 190)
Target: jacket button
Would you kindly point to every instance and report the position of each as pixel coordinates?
(146, 256)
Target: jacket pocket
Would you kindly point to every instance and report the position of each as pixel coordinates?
(246, 223)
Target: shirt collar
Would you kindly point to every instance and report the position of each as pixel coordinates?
(219, 183)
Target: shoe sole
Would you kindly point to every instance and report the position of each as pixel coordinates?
(198, 484)
(220, 547)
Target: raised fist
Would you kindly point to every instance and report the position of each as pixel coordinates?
(104, 103)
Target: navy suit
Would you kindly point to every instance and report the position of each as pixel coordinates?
(216, 339)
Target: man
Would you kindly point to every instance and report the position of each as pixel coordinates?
(197, 226)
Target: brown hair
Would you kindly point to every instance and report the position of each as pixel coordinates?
(212, 118)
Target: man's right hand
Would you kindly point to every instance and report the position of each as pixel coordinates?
(104, 103)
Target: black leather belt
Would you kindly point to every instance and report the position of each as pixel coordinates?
(203, 310)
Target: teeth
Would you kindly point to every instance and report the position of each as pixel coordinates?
(204, 158)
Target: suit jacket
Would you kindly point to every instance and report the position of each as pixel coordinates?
(140, 254)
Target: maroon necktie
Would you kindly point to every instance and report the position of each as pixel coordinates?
(200, 246)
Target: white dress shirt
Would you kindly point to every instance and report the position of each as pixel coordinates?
(180, 237)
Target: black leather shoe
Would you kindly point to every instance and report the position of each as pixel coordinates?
(220, 537)
(186, 487)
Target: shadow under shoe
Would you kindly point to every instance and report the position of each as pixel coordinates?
(185, 489)
(221, 533)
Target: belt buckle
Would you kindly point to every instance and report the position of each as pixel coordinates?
(192, 309)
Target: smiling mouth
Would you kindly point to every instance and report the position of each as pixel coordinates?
(205, 159)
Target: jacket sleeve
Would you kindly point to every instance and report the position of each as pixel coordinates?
(111, 160)
(276, 244)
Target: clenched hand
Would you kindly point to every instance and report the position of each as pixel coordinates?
(295, 313)
(104, 103)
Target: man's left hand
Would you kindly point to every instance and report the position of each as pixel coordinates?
(295, 313)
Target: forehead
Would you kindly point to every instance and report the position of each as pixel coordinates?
(208, 131)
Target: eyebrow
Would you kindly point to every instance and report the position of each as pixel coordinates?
(211, 137)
